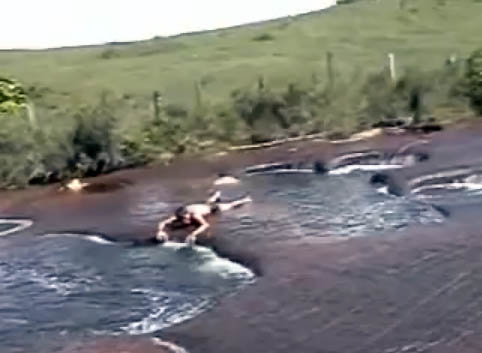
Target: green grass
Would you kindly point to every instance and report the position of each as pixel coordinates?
(360, 35)
(247, 84)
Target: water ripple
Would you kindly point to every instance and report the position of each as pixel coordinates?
(10, 226)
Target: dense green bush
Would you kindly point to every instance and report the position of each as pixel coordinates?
(474, 80)
(12, 96)
(132, 130)
(88, 145)
(17, 148)
(264, 37)
(93, 143)
(107, 54)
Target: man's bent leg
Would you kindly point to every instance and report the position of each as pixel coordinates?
(234, 204)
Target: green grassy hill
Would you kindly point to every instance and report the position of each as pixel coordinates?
(287, 50)
(94, 112)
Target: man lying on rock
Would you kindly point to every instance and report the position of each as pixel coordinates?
(197, 215)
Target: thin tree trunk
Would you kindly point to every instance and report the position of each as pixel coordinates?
(32, 118)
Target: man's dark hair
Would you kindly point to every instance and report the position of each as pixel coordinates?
(180, 212)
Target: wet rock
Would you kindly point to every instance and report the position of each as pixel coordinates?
(379, 179)
(320, 168)
(390, 123)
(425, 128)
(38, 176)
(422, 156)
(442, 210)
(106, 186)
(394, 185)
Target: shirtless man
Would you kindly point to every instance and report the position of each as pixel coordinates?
(196, 214)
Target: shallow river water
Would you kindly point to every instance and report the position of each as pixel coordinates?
(63, 287)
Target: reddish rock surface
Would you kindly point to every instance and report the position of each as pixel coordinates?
(419, 290)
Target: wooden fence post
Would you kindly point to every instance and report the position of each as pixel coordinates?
(156, 100)
(391, 65)
(329, 69)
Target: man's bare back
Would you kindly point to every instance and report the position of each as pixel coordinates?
(197, 214)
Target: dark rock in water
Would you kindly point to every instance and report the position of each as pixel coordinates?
(425, 128)
(442, 210)
(389, 123)
(152, 241)
(422, 156)
(320, 168)
(379, 178)
(395, 186)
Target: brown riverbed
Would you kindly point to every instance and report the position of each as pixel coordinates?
(416, 291)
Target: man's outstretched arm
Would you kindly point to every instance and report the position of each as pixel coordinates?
(161, 233)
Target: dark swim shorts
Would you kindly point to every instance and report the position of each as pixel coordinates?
(215, 208)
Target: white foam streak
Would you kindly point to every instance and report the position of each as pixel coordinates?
(160, 318)
(215, 264)
(92, 238)
(284, 171)
(363, 167)
(20, 224)
(52, 282)
(226, 269)
(383, 190)
(445, 174)
(171, 347)
(449, 186)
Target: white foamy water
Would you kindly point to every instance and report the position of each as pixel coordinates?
(436, 191)
(77, 285)
(383, 190)
(71, 283)
(444, 174)
(161, 313)
(168, 345)
(62, 286)
(212, 263)
(227, 269)
(455, 185)
(364, 168)
(449, 186)
(223, 267)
